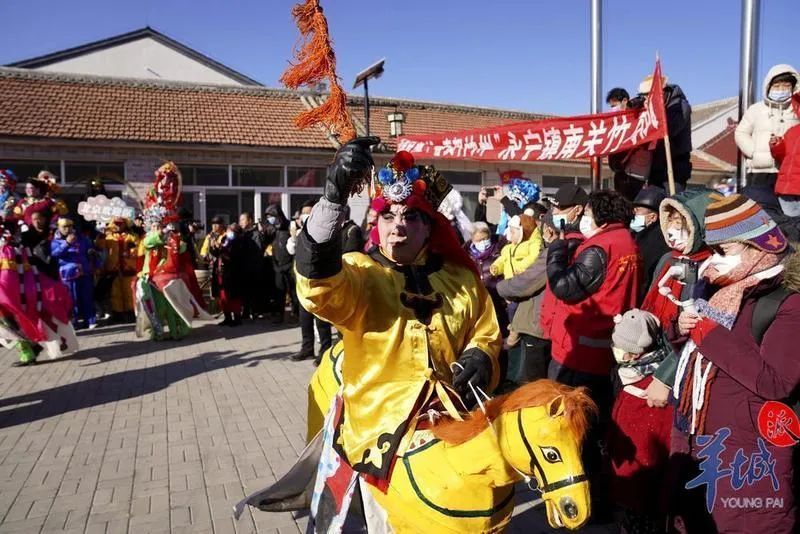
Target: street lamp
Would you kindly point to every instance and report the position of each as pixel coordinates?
(374, 72)
(396, 120)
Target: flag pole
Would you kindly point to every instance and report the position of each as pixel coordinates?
(596, 76)
(667, 146)
(668, 150)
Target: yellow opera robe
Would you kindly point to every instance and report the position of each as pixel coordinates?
(393, 359)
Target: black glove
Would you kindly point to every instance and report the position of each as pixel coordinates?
(510, 206)
(477, 368)
(351, 165)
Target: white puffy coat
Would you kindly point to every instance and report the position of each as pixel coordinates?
(762, 120)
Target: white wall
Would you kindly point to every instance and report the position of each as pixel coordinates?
(143, 58)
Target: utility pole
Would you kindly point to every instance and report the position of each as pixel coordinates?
(748, 67)
(596, 77)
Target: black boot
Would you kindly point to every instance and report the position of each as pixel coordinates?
(302, 355)
(237, 320)
(227, 321)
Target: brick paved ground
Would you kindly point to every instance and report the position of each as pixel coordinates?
(136, 436)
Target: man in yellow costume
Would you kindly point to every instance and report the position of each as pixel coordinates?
(416, 321)
(121, 257)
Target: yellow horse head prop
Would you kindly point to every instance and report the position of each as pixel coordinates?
(540, 428)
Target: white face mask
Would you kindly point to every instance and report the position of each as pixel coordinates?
(780, 95)
(481, 246)
(619, 355)
(725, 264)
(677, 239)
(587, 226)
(229, 234)
(638, 223)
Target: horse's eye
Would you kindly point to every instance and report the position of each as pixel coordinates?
(551, 454)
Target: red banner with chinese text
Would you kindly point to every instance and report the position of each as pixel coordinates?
(584, 136)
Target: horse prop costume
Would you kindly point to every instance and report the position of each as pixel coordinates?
(456, 476)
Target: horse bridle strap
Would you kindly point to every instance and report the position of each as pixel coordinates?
(569, 481)
(552, 486)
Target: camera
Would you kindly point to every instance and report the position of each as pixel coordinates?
(636, 102)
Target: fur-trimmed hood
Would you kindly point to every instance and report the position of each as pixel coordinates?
(692, 205)
(791, 272)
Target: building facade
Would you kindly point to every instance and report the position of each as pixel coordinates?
(105, 110)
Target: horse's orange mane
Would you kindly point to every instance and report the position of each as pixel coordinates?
(578, 407)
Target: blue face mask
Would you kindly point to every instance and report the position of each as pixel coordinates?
(638, 224)
(481, 246)
(560, 221)
(272, 220)
(780, 95)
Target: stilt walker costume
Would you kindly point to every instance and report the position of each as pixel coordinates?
(34, 308)
(164, 304)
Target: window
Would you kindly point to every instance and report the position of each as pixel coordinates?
(470, 203)
(270, 198)
(28, 169)
(258, 176)
(463, 177)
(296, 202)
(306, 177)
(554, 182)
(109, 173)
(204, 175)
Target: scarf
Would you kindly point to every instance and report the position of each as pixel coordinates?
(695, 376)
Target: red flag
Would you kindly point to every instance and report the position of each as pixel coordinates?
(558, 138)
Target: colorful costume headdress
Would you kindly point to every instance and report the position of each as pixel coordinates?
(401, 179)
(46, 183)
(8, 179)
(164, 197)
(423, 188)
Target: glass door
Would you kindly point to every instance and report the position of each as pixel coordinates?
(222, 203)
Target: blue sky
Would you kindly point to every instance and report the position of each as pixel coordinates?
(530, 55)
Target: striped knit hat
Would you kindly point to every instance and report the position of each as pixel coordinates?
(737, 218)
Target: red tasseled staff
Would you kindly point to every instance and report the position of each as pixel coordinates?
(316, 61)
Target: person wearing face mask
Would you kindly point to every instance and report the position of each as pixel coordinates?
(647, 232)
(627, 180)
(418, 327)
(563, 217)
(229, 278)
(484, 248)
(681, 224)
(282, 265)
(765, 122)
(600, 282)
(741, 353)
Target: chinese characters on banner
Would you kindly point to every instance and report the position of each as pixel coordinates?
(103, 209)
(585, 136)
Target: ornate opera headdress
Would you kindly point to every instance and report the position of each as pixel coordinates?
(401, 180)
(164, 197)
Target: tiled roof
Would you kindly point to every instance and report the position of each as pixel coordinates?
(723, 145)
(36, 104)
(702, 112)
(67, 106)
